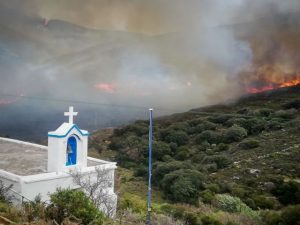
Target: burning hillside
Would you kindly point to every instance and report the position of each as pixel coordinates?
(269, 80)
(275, 54)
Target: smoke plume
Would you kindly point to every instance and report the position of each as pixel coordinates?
(169, 54)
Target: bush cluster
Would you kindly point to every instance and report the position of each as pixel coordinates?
(66, 203)
(232, 204)
(249, 144)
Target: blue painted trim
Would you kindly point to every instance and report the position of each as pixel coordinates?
(65, 135)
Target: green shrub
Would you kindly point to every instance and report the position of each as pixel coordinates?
(249, 144)
(236, 121)
(183, 153)
(274, 124)
(138, 128)
(221, 161)
(134, 203)
(173, 146)
(231, 223)
(35, 210)
(179, 212)
(222, 119)
(249, 202)
(192, 218)
(183, 185)
(265, 112)
(118, 132)
(238, 191)
(287, 192)
(211, 167)
(4, 207)
(264, 202)
(254, 125)
(195, 122)
(65, 203)
(164, 168)
(291, 215)
(272, 218)
(178, 137)
(160, 149)
(222, 147)
(207, 220)
(180, 126)
(286, 114)
(294, 104)
(141, 171)
(211, 137)
(203, 126)
(203, 146)
(232, 204)
(234, 133)
(207, 196)
(213, 187)
(206, 125)
(116, 144)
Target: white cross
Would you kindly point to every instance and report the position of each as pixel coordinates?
(71, 114)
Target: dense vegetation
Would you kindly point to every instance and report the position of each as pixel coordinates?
(65, 207)
(248, 150)
(220, 165)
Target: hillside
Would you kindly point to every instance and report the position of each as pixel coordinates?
(247, 149)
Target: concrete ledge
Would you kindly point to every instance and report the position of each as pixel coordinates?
(10, 176)
(24, 143)
(102, 161)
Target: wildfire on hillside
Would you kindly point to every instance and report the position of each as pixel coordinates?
(11, 100)
(267, 85)
(6, 102)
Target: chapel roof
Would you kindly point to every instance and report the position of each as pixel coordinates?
(65, 129)
(23, 158)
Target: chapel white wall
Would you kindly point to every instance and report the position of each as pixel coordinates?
(57, 152)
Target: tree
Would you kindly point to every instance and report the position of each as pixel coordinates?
(96, 188)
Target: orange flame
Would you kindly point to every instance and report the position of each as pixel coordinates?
(14, 100)
(290, 83)
(271, 85)
(106, 87)
(5, 102)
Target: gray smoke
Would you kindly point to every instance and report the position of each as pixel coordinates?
(172, 54)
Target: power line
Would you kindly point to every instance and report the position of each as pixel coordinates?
(82, 102)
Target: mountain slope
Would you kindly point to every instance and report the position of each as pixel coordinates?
(248, 149)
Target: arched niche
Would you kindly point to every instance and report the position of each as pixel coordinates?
(71, 150)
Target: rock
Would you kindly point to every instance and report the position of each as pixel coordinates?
(254, 171)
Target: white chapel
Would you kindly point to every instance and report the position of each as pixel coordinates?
(39, 170)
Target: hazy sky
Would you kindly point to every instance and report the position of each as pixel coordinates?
(176, 54)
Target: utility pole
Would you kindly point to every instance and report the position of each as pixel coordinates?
(150, 169)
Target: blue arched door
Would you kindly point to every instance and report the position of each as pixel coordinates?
(71, 151)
